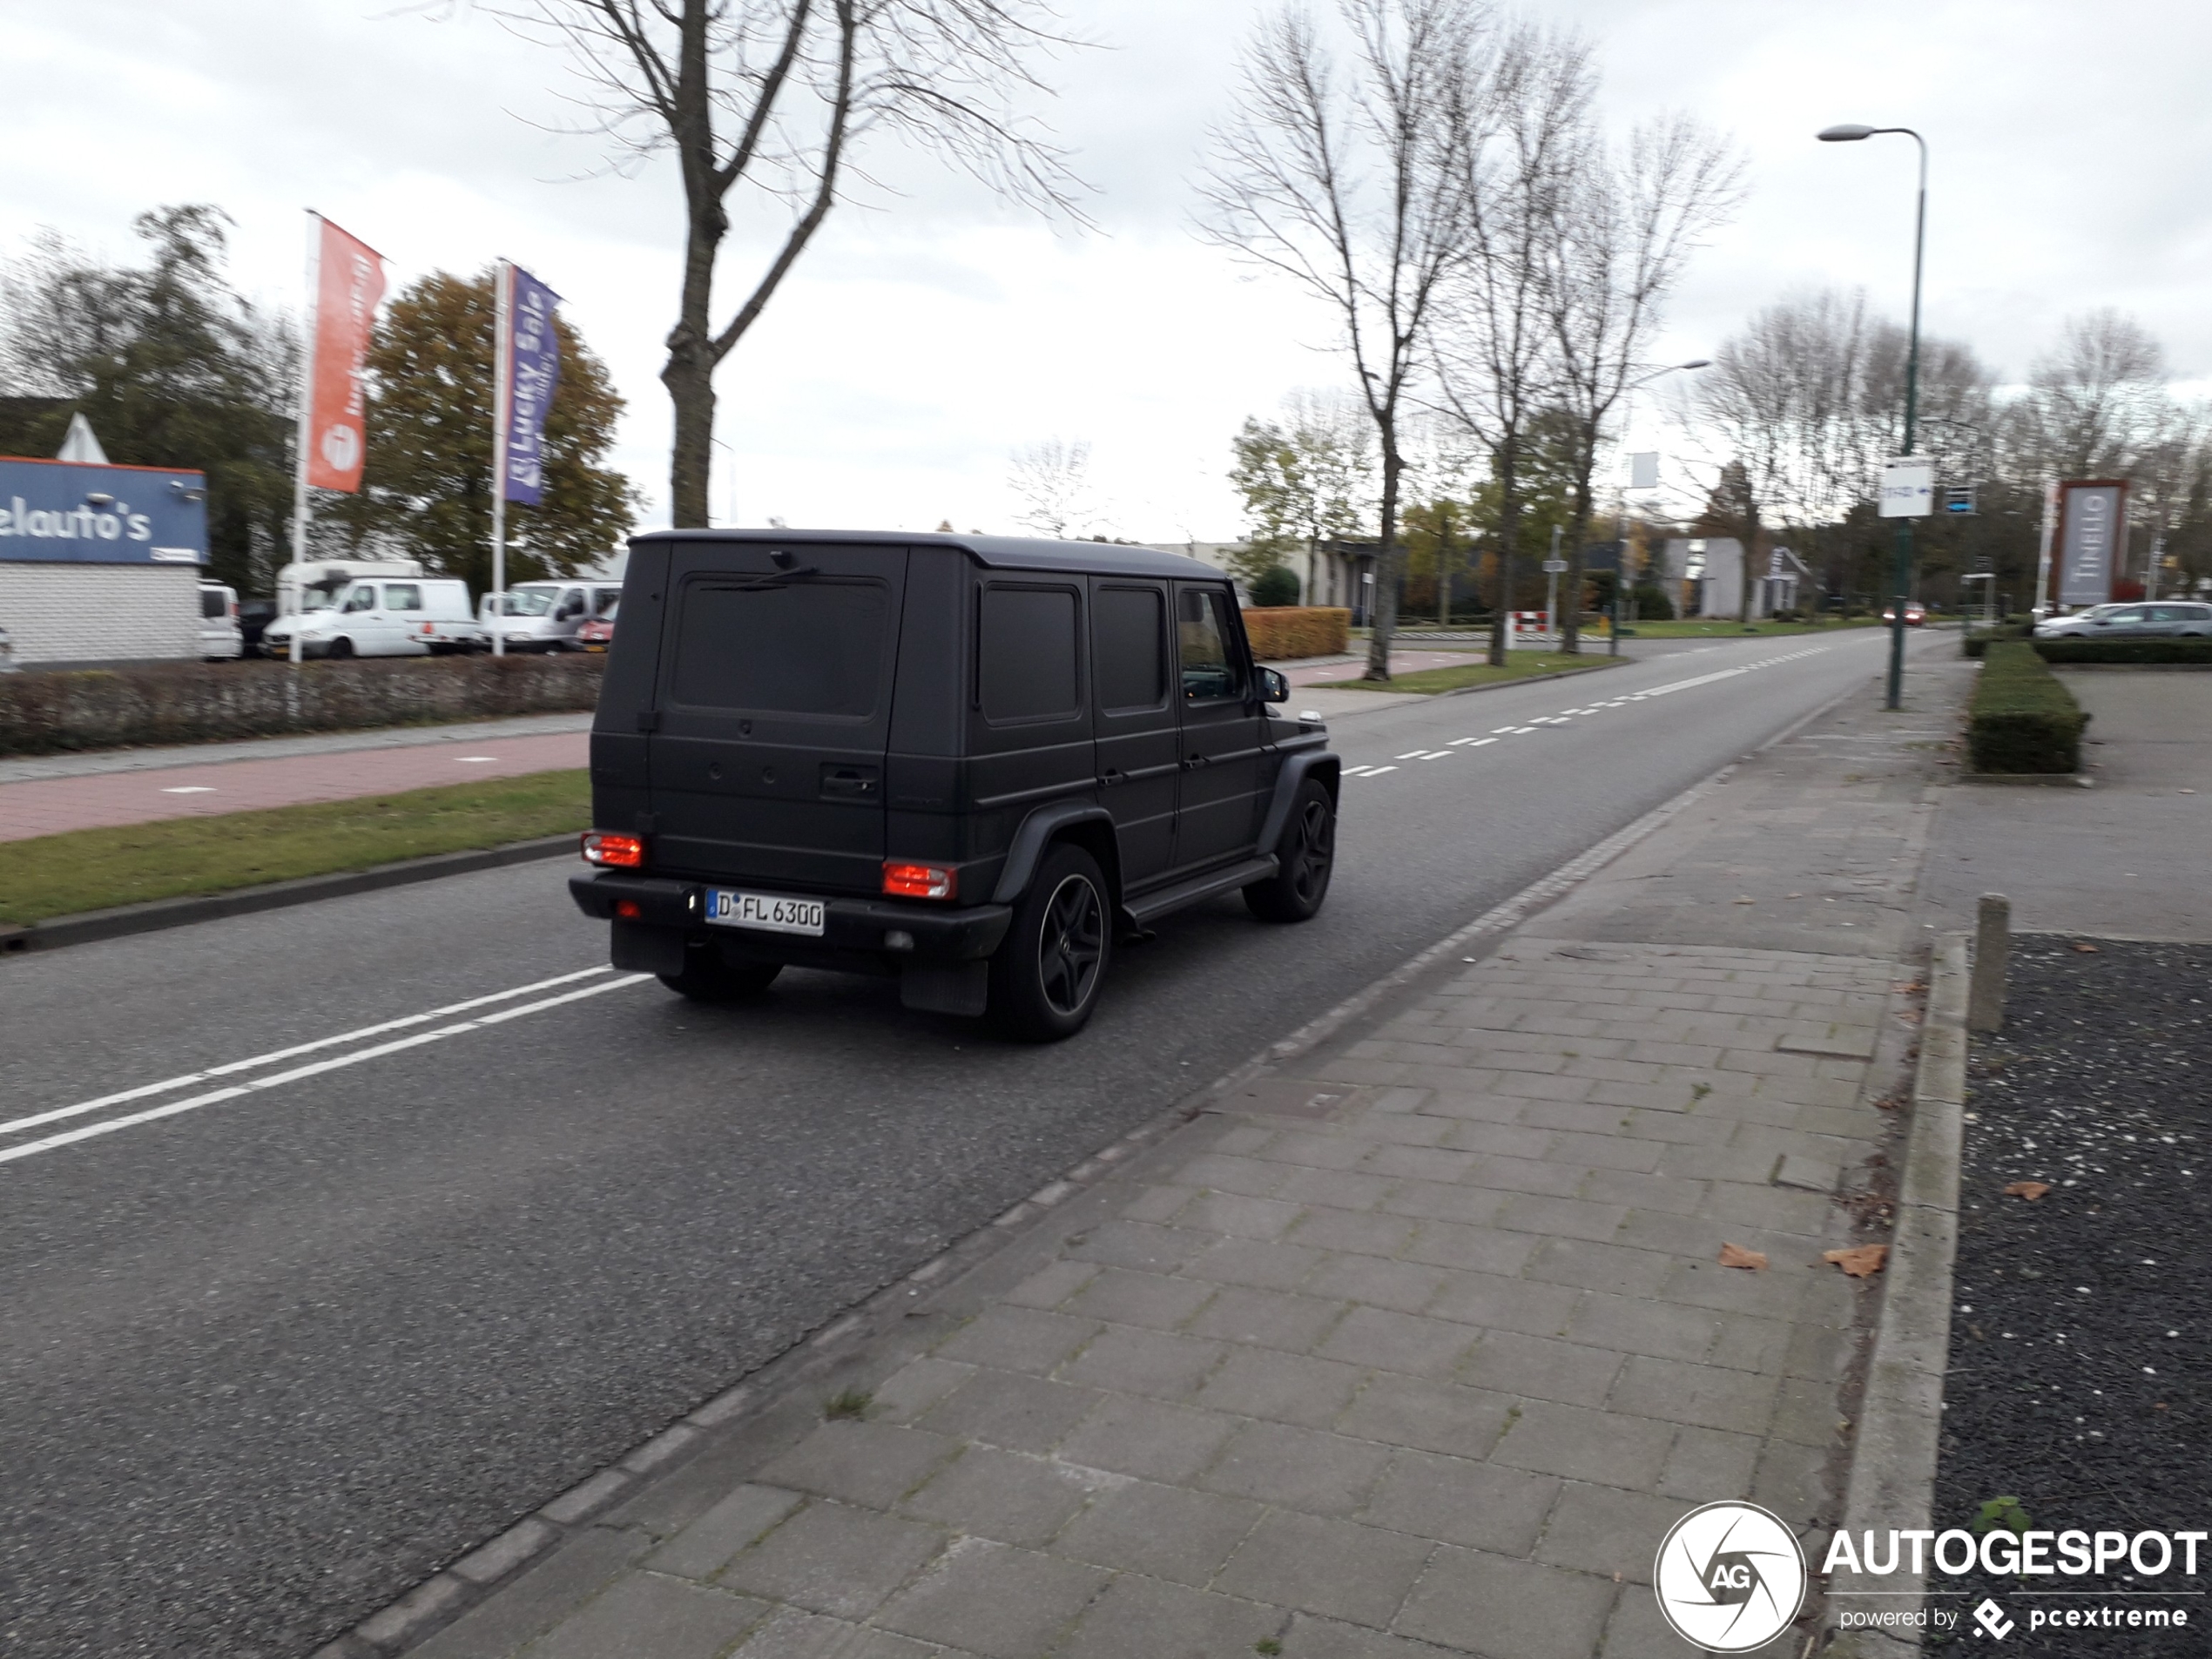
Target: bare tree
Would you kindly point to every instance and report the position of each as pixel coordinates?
(1350, 176)
(1052, 480)
(775, 96)
(1627, 225)
(2096, 400)
(1496, 368)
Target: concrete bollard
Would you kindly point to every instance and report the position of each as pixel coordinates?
(1993, 944)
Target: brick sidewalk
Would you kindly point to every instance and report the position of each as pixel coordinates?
(1416, 1345)
(55, 806)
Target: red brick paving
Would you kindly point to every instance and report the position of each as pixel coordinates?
(55, 806)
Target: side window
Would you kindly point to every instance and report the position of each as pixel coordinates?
(210, 603)
(402, 597)
(1027, 650)
(1203, 633)
(362, 598)
(1130, 625)
(608, 598)
(571, 606)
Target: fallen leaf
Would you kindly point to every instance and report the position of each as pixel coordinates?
(1736, 1256)
(2087, 950)
(1747, 901)
(1860, 1262)
(2030, 1191)
(1911, 986)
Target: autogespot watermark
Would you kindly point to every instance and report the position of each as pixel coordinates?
(1730, 1577)
(2029, 1556)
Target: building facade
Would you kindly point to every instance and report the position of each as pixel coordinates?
(100, 563)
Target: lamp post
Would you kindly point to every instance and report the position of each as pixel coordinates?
(1851, 132)
(1621, 494)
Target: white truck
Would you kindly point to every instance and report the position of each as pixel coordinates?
(382, 614)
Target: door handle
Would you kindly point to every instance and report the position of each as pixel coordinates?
(1196, 761)
(1113, 775)
(853, 782)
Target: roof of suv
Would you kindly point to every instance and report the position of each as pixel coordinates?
(996, 552)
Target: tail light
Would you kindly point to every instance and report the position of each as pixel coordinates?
(919, 880)
(615, 852)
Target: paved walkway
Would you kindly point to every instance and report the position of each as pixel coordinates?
(314, 769)
(1413, 1347)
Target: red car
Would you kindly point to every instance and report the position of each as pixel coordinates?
(599, 632)
(1915, 613)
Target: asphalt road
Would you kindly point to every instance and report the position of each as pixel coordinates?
(268, 1361)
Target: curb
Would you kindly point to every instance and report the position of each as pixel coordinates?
(160, 914)
(2047, 780)
(1901, 1420)
(1469, 690)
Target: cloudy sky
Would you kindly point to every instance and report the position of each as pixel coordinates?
(928, 335)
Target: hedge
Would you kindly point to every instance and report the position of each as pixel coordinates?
(1973, 643)
(2124, 650)
(205, 702)
(1280, 632)
(2022, 720)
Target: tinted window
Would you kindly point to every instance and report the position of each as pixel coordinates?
(397, 597)
(1201, 637)
(362, 598)
(795, 648)
(1028, 642)
(1132, 647)
(2124, 613)
(211, 602)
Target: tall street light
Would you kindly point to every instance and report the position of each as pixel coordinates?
(1851, 132)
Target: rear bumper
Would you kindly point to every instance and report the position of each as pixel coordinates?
(853, 929)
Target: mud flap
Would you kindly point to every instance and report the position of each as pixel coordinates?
(946, 987)
(638, 948)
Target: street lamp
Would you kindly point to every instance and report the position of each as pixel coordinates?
(1851, 132)
(1621, 495)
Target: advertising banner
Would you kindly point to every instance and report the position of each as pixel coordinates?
(2093, 520)
(349, 283)
(73, 512)
(533, 373)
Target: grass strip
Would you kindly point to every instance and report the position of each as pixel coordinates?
(96, 869)
(1520, 665)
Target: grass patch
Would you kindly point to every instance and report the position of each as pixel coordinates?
(1520, 665)
(2022, 720)
(95, 869)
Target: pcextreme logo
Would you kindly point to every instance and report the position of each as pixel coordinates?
(1730, 1577)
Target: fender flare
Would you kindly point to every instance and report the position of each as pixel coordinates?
(1296, 770)
(1034, 835)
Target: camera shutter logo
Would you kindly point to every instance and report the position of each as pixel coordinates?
(1730, 1577)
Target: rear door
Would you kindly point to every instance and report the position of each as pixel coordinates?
(1135, 721)
(772, 716)
(1223, 731)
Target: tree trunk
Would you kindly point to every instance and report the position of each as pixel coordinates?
(1508, 544)
(1570, 641)
(1384, 621)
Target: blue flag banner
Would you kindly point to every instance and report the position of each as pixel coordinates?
(533, 371)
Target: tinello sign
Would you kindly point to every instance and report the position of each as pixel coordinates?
(69, 512)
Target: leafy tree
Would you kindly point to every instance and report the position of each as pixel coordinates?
(170, 367)
(1275, 586)
(1305, 479)
(426, 491)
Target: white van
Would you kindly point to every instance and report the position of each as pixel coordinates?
(219, 636)
(544, 616)
(383, 618)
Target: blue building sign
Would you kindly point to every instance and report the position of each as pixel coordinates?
(77, 512)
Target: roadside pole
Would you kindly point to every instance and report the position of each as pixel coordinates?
(307, 427)
(1553, 566)
(502, 283)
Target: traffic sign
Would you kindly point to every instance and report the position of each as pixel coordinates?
(1554, 567)
(1908, 489)
(1959, 498)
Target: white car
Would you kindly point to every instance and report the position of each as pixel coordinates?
(2152, 619)
(414, 617)
(219, 636)
(544, 616)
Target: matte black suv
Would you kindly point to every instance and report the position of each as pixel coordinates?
(972, 762)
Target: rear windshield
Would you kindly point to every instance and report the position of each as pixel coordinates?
(213, 602)
(801, 647)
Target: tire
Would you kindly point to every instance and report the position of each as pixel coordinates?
(341, 649)
(707, 978)
(1045, 975)
(1305, 858)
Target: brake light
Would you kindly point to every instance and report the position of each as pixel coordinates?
(919, 880)
(617, 851)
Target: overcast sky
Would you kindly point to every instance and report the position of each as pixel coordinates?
(921, 341)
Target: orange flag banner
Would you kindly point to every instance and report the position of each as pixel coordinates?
(349, 283)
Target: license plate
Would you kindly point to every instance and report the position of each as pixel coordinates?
(766, 911)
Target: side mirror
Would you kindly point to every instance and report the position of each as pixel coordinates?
(1273, 688)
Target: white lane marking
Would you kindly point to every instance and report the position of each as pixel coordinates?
(109, 1125)
(1703, 679)
(190, 789)
(1505, 728)
(1517, 730)
(1377, 772)
(1471, 743)
(477, 760)
(1411, 754)
(187, 1079)
(1438, 754)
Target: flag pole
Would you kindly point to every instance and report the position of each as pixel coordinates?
(305, 431)
(502, 282)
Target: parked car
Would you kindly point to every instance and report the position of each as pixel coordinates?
(254, 616)
(2164, 618)
(1916, 614)
(220, 637)
(382, 618)
(599, 633)
(969, 762)
(544, 616)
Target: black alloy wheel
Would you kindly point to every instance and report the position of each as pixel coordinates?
(1045, 975)
(1305, 858)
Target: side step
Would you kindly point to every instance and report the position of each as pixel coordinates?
(1151, 906)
